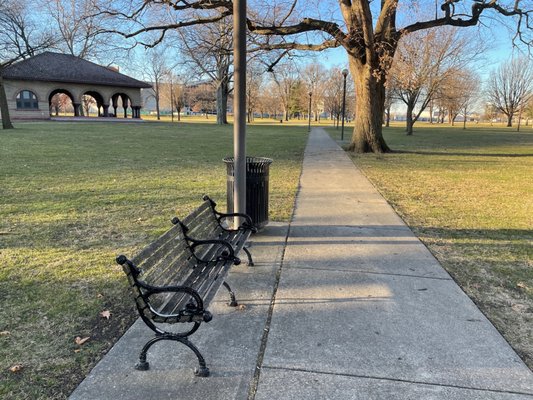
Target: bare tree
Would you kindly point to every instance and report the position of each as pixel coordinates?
(389, 101)
(87, 103)
(370, 40)
(210, 47)
(285, 77)
(270, 102)
(201, 98)
(315, 77)
(510, 87)
(172, 93)
(60, 102)
(254, 85)
(458, 93)
(155, 68)
(80, 31)
(20, 38)
(424, 62)
(528, 111)
(333, 94)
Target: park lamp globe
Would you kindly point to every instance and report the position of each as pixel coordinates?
(344, 72)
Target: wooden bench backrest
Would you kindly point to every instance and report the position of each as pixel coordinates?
(202, 222)
(168, 261)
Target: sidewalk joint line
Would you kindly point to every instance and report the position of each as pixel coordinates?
(360, 271)
(396, 380)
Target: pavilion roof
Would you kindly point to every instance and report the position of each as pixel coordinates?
(65, 68)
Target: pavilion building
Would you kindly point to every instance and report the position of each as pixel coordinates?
(32, 83)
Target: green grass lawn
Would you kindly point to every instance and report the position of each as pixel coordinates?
(468, 195)
(76, 195)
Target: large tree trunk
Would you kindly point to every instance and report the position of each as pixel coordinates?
(369, 106)
(510, 120)
(4, 109)
(222, 103)
(409, 120)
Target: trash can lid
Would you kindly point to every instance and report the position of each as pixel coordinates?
(251, 160)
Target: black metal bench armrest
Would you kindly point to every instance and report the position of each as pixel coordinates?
(193, 243)
(192, 311)
(247, 225)
(150, 290)
(229, 255)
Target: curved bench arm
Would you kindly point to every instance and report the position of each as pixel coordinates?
(190, 312)
(193, 243)
(226, 255)
(247, 225)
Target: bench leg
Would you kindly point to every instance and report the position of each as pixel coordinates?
(233, 302)
(250, 261)
(144, 365)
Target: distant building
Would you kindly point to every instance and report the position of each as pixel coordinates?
(31, 84)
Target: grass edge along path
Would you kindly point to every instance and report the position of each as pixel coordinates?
(76, 195)
(468, 196)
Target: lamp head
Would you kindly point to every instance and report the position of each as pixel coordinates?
(345, 72)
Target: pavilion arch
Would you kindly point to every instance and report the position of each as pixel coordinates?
(121, 99)
(101, 106)
(75, 105)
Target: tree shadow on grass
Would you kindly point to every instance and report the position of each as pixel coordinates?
(460, 154)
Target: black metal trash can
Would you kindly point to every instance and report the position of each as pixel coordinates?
(257, 171)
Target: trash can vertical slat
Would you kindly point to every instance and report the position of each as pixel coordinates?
(257, 186)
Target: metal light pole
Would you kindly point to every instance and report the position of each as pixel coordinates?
(239, 106)
(171, 100)
(309, 126)
(344, 74)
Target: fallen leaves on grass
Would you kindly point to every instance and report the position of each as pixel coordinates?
(521, 285)
(519, 307)
(5, 333)
(79, 341)
(16, 368)
(105, 314)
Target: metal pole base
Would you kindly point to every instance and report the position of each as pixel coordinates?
(142, 366)
(202, 372)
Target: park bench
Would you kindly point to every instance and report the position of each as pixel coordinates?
(175, 278)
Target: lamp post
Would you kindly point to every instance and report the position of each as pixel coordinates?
(309, 126)
(171, 100)
(239, 106)
(344, 74)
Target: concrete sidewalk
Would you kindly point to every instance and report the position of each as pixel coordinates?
(352, 307)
